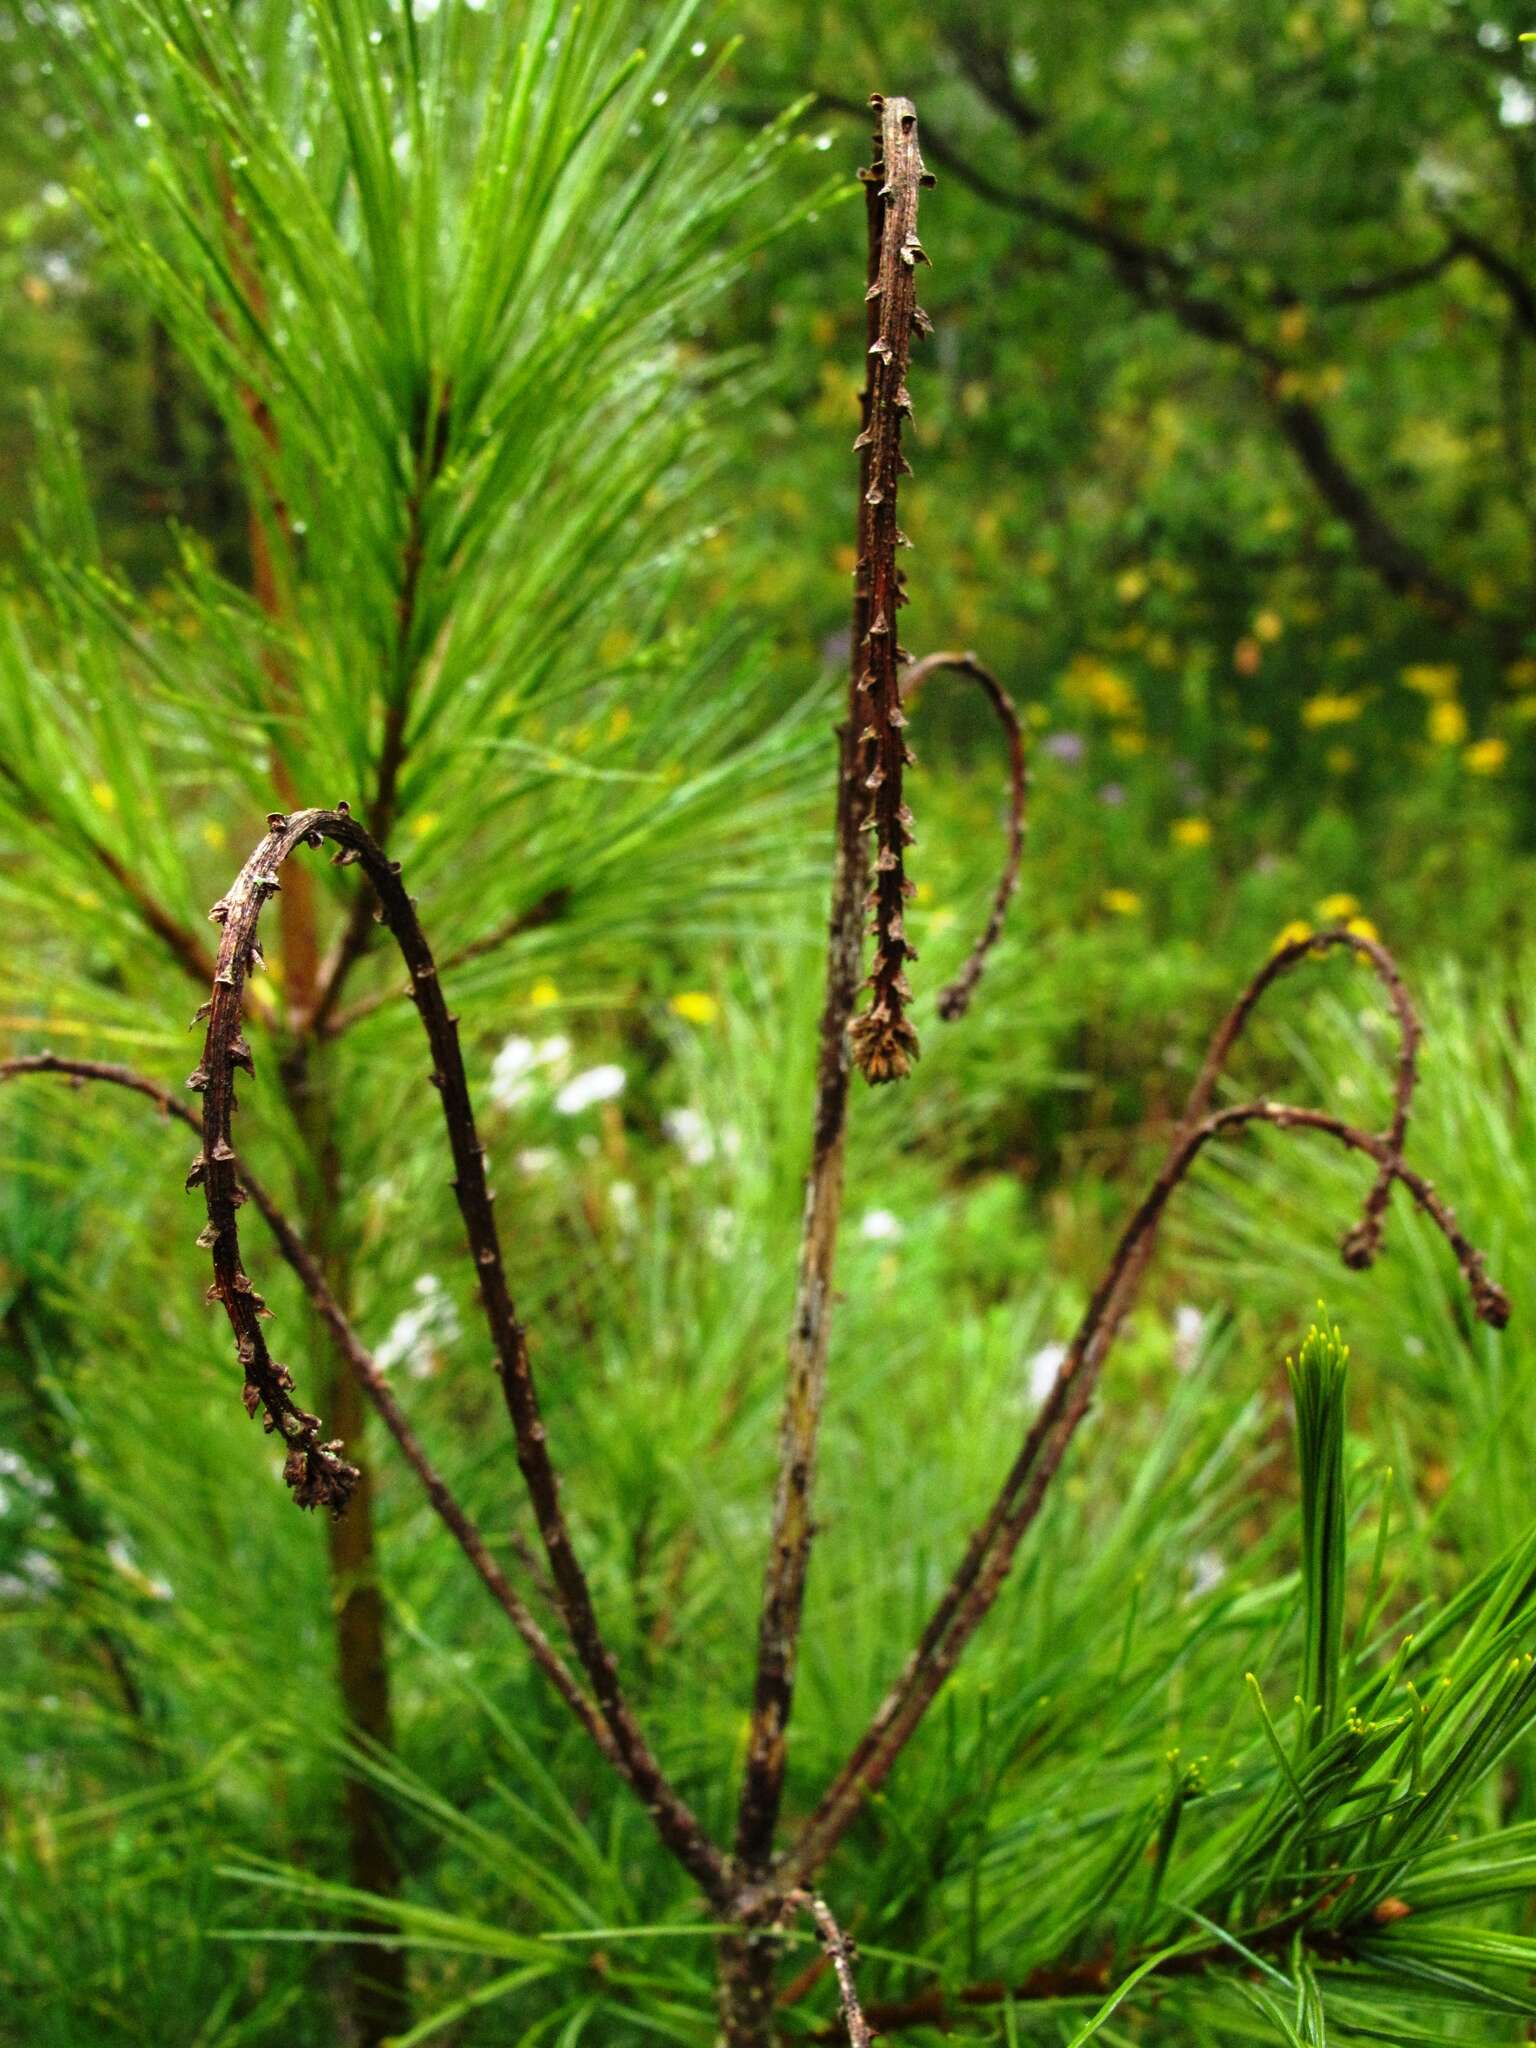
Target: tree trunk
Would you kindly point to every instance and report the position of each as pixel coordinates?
(745, 1985)
(379, 2001)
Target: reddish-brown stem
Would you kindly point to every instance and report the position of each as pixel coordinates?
(1363, 1242)
(373, 1381)
(955, 1000)
(357, 934)
(239, 913)
(884, 1043)
(789, 1542)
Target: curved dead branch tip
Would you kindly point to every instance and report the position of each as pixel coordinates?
(316, 1469)
(1361, 1244)
(955, 999)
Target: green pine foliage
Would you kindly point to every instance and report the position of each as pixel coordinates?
(471, 304)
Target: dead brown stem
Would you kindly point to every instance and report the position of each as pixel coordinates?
(955, 1000)
(884, 1043)
(991, 1551)
(316, 1470)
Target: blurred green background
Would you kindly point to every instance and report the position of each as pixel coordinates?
(1223, 453)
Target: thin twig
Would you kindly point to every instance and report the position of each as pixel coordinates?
(544, 910)
(840, 1953)
(183, 945)
(369, 1374)
(955, 1000)
(239, 913)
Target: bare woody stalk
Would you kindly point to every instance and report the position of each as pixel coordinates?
(316, 1470)
(871, 757)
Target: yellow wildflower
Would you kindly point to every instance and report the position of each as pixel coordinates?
(1432, 678)
(1362, 928)
(694, 1006)
(1121, 902)
(1130, 585)
(1291, 935)
(1447, 725)
(1334, 909)
(1091, 681)
(214, 835)
(423, 826)
(1191, 832)
(103, 794)
(543, 993)
(1486, 757)
(1268, 625)
(1331, 707)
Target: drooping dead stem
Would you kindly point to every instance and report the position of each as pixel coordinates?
(239, 913)
(955, 1000)
(990, 1551)
(373, 1381)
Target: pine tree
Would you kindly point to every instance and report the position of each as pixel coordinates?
(436, 277)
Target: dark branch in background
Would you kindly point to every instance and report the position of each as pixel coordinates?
(182, 944)
(1507, 275)
(991, 1550)
(1386, 284)
(955, 1000)
(1161, 281)
(315, 1470)
(547, 909)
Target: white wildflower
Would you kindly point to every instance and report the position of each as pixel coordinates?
(597, 1084)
